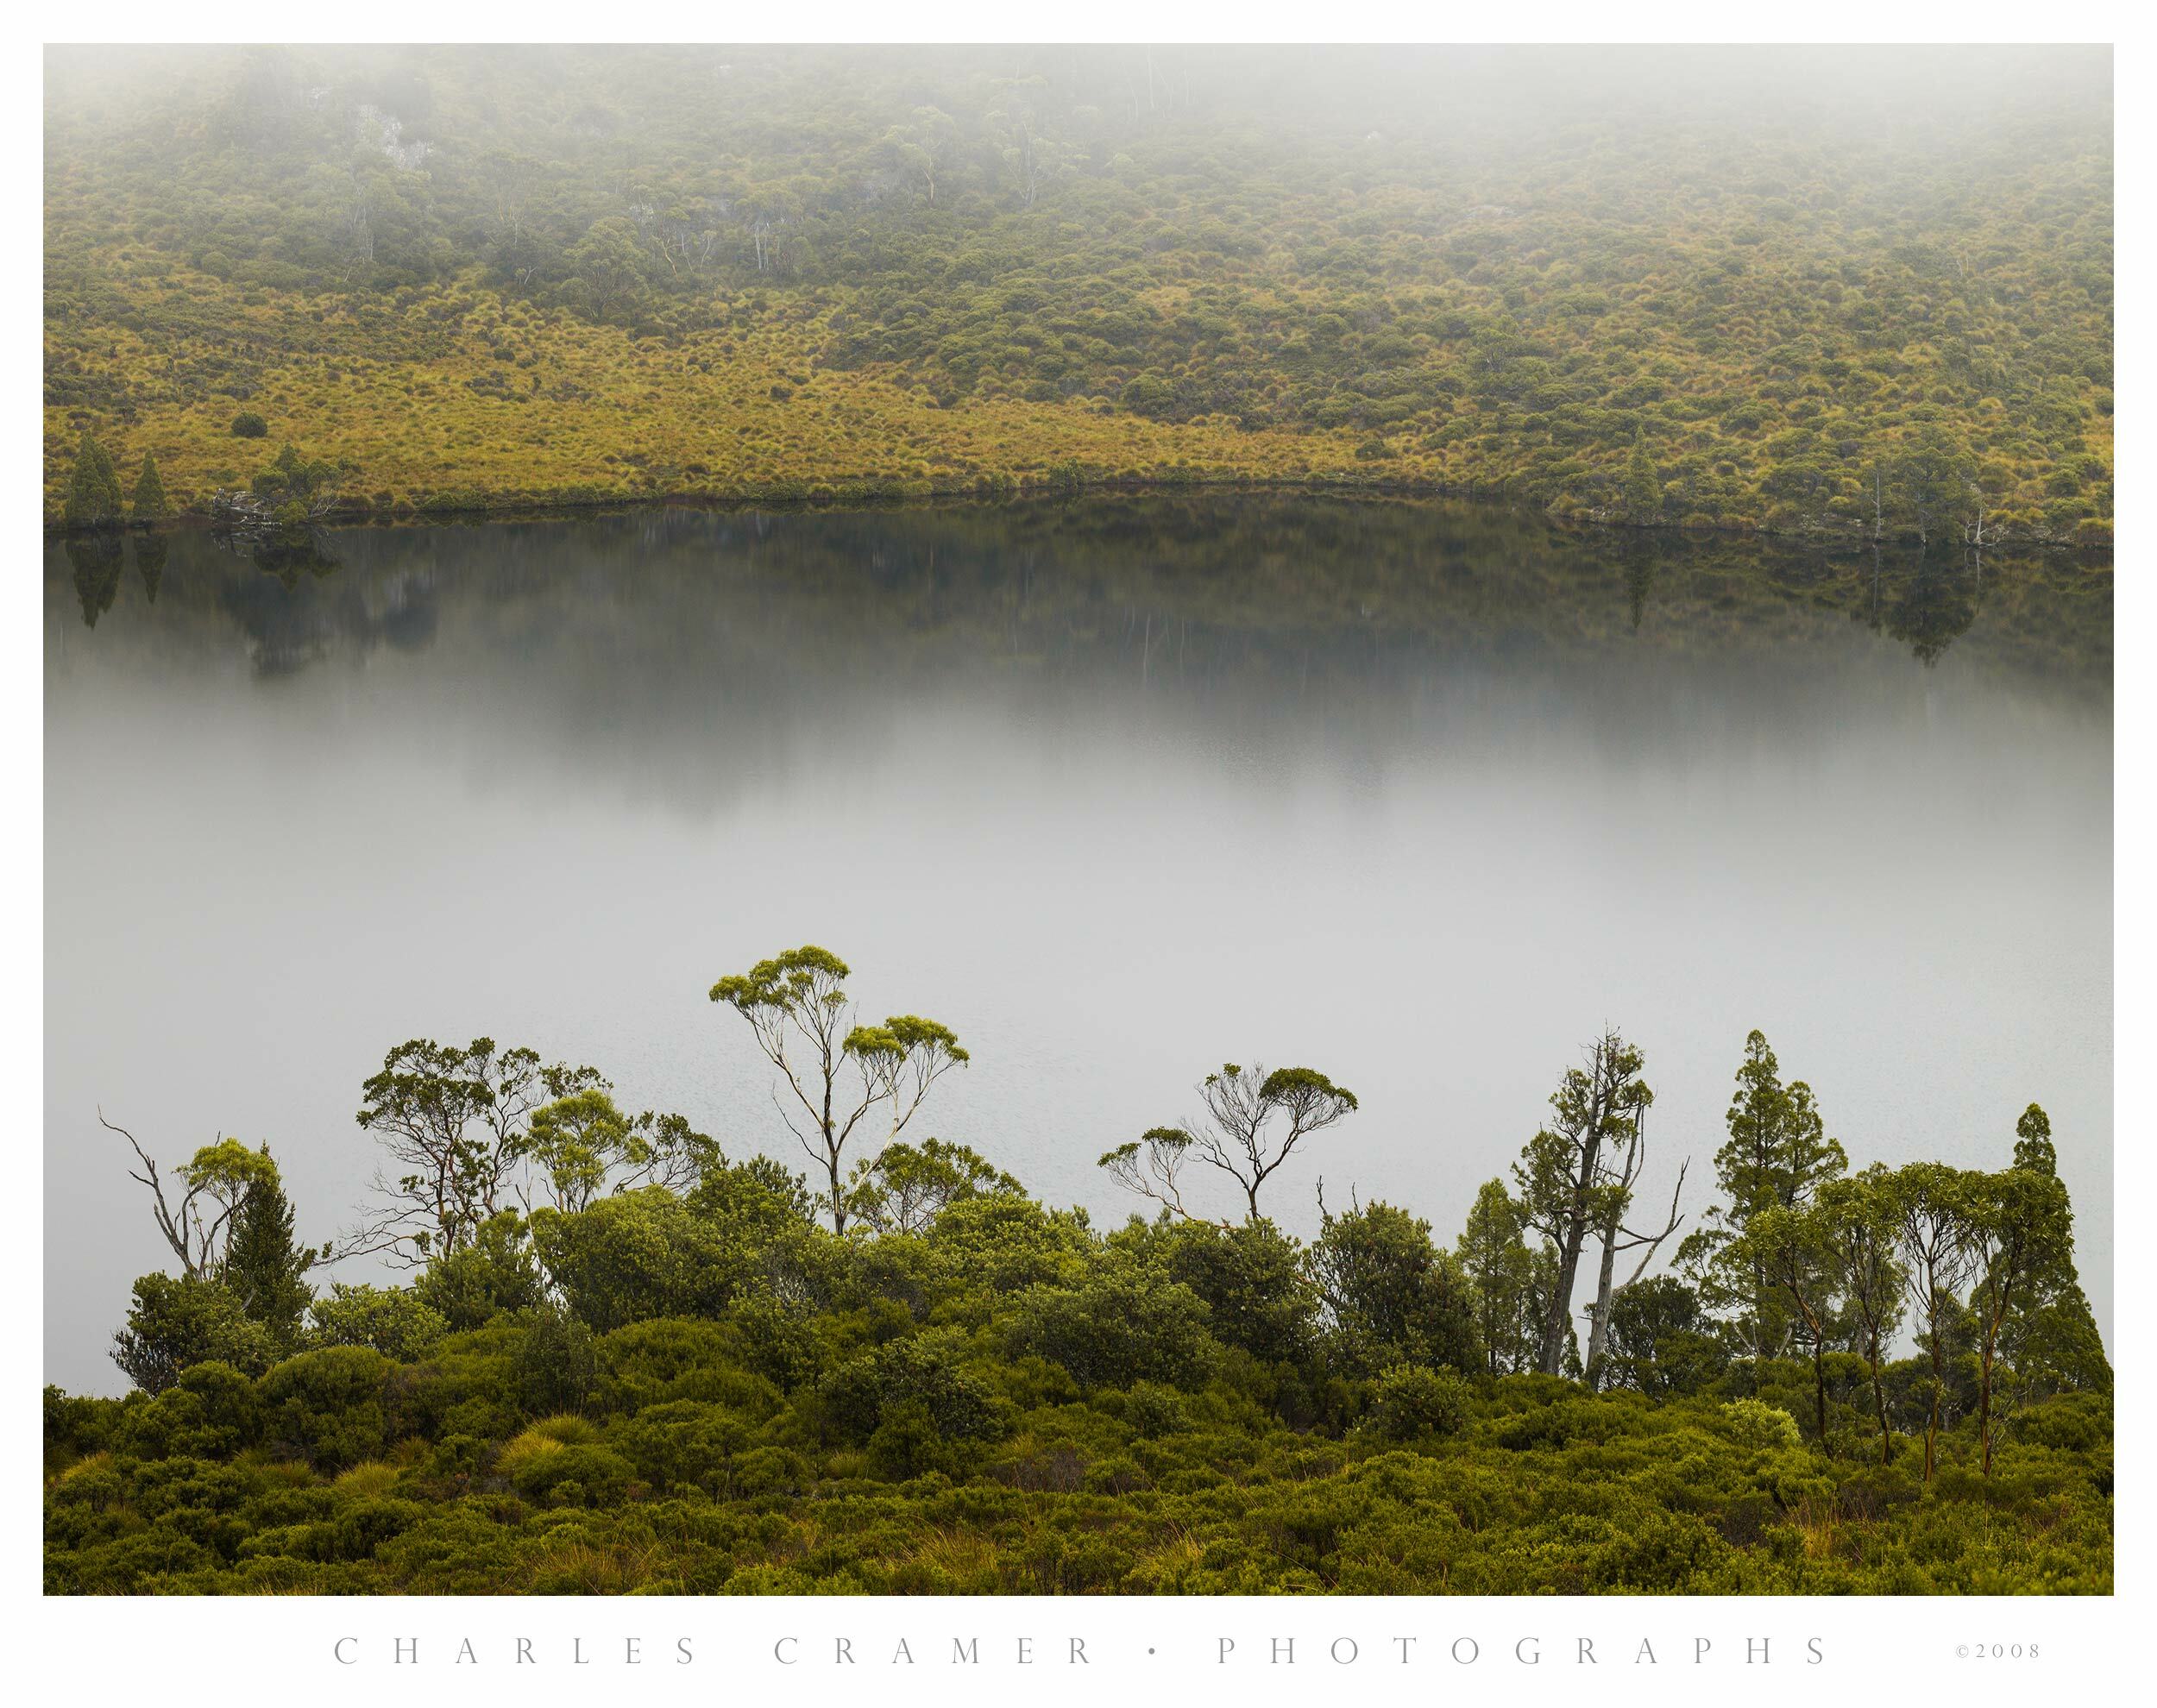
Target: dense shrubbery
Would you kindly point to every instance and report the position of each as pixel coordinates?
(492, 276)
(699, 1385)
(917, 1456)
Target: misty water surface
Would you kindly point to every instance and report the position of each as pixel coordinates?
(1421, 796)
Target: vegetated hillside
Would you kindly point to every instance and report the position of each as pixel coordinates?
(666, 1372)
(1788, 290)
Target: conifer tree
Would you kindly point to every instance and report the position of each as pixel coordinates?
(93, 491)
(1644, 490)
(148, 503)
(1509, 1303)
(1778, 1156)
(264, 1270)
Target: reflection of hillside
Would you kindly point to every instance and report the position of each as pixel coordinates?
(1213, 587)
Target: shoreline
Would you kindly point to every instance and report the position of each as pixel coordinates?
(884, 495)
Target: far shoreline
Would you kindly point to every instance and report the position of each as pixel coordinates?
(477, 506)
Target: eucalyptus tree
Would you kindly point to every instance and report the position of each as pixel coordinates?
(906, 1187)
(1787, 1246)
(1929, 1203)
(1860, 1234)
(587, 1147)
(837, 1072)
(1254, 1122)
(1562, 1176)
(456, 1124)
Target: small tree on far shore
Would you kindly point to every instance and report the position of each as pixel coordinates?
(148, 503)
(93, 490)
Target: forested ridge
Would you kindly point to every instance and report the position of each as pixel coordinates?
(1868, 296)
(622, 1360)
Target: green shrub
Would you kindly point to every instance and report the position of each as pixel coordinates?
(326, 1405)
(922, 1372)
(176, 1322)
(1410, 1402)
(493, 1275)
(392, 1319)
(1763, 1429)
(1117, 1329)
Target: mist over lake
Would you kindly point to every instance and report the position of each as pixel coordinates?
(1121, 790)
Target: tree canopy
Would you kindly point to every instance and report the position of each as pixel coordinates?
(630, 1375)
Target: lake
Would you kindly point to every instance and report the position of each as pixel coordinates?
(1420, 796)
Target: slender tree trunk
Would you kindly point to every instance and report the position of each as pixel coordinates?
(1931, 1422)
(1598, 1330)
(831, 1151)
(1759, 1316)
(1879, 1399)
(1557, 1319)
(1819, 1387)
(1820, 1371)
(1984, 1408)
(1993, 1319)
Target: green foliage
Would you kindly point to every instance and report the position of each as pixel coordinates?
(1390, 1295)
(1118, 1328)
(1776, 1158)
(1760, 1427)
(394, 1320)
(326, 1405)
(643, 1254)
(514, 274)
(1410, 1402)
(555, 1367)
(178, 1322)
(263, 1269)
(1511, 1284)
(149, 505)
(93, 491)
(696, 1389)
(213, 1411)
(918, 1375)
(249, 425)
(1253, 1280)
(493, 1272)
(906, 1187)
(1659, 1340)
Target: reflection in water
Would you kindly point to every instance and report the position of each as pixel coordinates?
(1935, 605)
(1320, 568)
(288, 554)
(1420, 794)
(150, 552)
(94, 560)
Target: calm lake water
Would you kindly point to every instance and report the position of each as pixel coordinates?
(1418, 796)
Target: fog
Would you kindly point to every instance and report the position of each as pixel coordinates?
(1103, 794)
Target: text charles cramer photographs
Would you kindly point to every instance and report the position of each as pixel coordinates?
(841, 1651)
